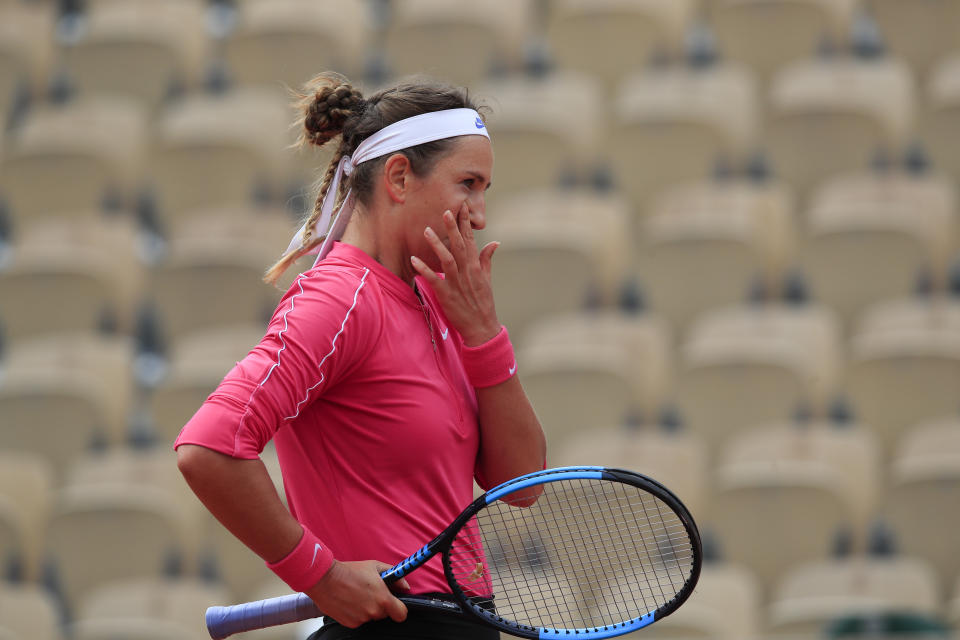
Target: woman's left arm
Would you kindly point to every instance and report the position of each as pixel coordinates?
(511, 438)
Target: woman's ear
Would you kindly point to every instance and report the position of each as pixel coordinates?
(396, 177)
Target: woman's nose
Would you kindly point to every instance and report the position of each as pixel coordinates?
(478, 212)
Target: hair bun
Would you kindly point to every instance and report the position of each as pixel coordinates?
(328, 109)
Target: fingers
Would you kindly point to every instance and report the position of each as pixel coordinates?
(463, 220)
(448, 262)
(396, 610)
(486, 255)
(353, 593)
(421, 267)
(392, 607)
(399, 584)
(454, 227)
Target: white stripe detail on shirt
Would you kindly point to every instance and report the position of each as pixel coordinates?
(333, 343)
(283, 344)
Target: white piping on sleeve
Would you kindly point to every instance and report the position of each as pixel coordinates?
(333, 344)
(283, 344)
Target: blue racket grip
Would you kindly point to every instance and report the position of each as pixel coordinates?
(226, 621)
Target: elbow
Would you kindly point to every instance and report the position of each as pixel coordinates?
(526, 497)
(192, 460)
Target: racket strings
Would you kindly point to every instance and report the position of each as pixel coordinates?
(586, 554)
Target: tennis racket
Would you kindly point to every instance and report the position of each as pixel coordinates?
(600, 553)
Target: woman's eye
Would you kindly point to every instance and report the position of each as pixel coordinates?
(468, 182)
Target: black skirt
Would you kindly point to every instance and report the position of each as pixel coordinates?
(419, 625)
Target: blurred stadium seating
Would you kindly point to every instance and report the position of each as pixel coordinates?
(730, 260)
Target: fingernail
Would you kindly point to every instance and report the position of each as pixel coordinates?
(429, 231)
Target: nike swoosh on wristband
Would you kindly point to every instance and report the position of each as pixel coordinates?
(512, 370)
(316, 550)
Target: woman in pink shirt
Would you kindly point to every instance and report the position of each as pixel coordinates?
(384, 378)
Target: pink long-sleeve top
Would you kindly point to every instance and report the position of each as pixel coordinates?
(359, 382)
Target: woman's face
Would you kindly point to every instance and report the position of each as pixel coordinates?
(462, 175)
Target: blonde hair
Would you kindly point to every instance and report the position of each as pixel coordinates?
(332, 107)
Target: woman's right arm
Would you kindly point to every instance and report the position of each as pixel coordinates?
(241, 495)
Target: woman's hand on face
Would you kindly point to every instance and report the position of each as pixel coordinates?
(353, 593)
(465, 291)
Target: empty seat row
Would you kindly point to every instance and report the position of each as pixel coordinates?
(776, 499)
(865, 236)
(738, 367)
(115, 515)
(665, 126)
(727, 604)
(174, 45)
(98, 154)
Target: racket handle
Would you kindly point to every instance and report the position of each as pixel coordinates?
(226, 621)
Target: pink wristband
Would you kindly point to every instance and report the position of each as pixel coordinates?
(490, 363)
(303, 567)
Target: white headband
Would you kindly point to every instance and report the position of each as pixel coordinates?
(403, 134)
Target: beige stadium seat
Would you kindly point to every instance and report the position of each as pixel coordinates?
(88, 265)
(28, 612)
(60, 395)
(26, 47)
(141, 50)
(75, 157)
(591, 370)
(852, 451)
(155, 469)
(905, 364)
(212, 277)
(674, 124)
(832, 115)
(766, 35)
(726, 605)
(919, 32)
(745, 366)
(542, 128)
(26, 490)
(457, 42)
(812, 594)
(103, 532)
(282, 44)
(148, 609)
(677, 460)
(271, 227)
(868, 236)
(704, 245)
(939, 120)
(776, 510)
(197, 365)
(920, 503)
(610, 39)
(219, 150)
(558, 247)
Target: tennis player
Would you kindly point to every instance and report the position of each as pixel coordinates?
(384, 378)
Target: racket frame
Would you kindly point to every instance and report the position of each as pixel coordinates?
(624, 476)
(285, 609)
